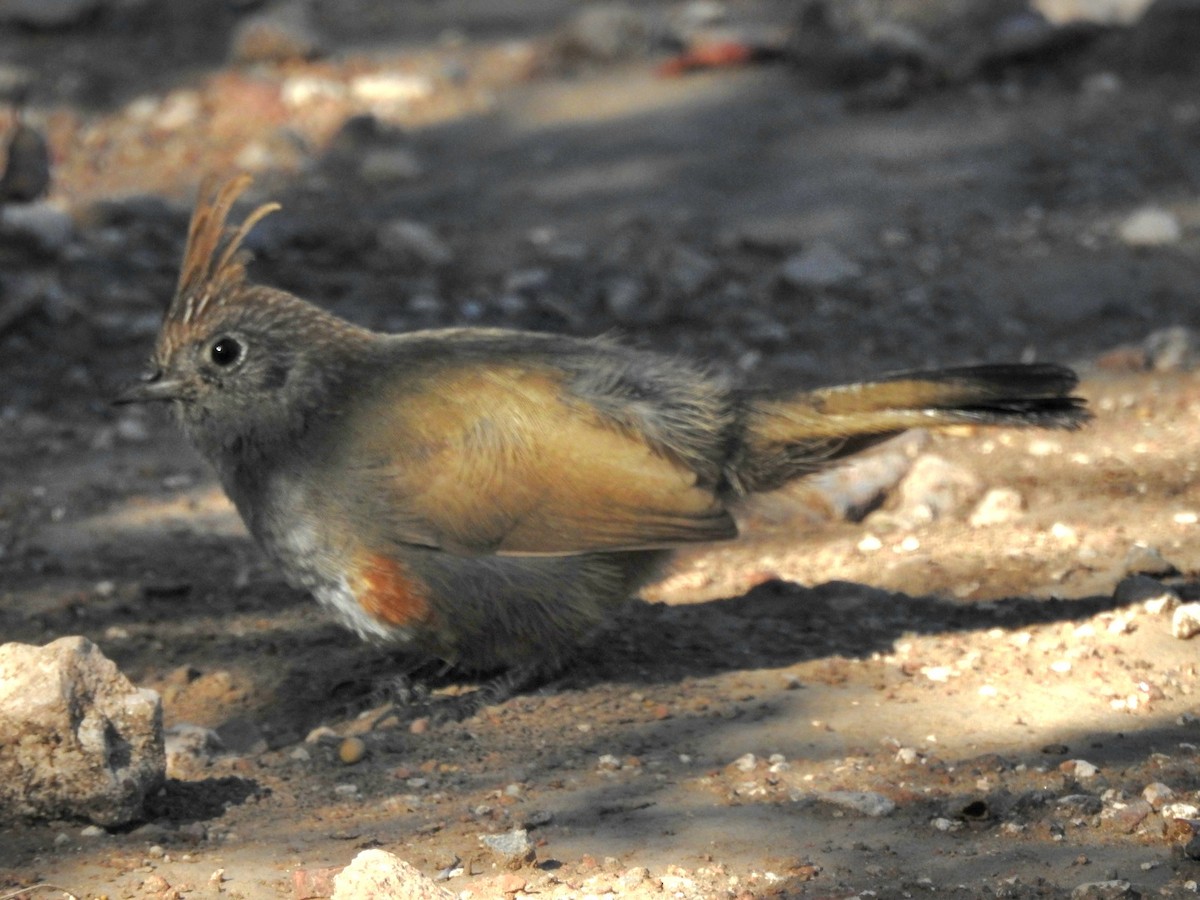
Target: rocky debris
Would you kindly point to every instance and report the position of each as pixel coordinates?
(80, 740)
(1103, 890)
(1150, 226)
(889, 51)
(604, 32)
(190, 748)
(935, 488)
(1172, 349)
(379, 875)
(277, 34)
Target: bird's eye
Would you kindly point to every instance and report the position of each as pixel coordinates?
(226, 351)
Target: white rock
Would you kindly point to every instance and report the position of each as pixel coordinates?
(819, 266)
(80, 741)
(999, 505)
(1179, 811)
(746, 762)
(1185, 621)
(391, 88)
(1150, 226)
(379, 875)
(1081, 768)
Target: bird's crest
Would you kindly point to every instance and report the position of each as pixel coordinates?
(214, 265)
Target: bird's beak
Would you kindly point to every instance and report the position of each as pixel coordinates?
(152, 388)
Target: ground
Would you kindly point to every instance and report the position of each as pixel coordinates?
(989, 680)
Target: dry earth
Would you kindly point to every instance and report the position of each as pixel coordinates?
(983, 679)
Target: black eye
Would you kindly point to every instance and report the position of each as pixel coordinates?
(226, 351)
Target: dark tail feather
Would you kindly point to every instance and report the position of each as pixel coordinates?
(786, 436)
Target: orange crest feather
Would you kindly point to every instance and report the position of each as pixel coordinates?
(214, 265)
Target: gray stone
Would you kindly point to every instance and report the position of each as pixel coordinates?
(821, 265)
(1153, 595)
(513, 848)
(277, 34)
(869, 803)
(413, 242)
(1145, 560)
(80, 740)
(42, 225)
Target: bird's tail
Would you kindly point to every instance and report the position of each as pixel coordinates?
(784, 436)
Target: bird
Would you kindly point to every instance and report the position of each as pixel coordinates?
(486, 497)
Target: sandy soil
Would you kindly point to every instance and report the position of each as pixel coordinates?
(1003, 707)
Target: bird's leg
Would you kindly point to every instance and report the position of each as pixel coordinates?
(491, 693)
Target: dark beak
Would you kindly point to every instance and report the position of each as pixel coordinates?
(152, 388)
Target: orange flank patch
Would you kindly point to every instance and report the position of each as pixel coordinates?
(389, 591)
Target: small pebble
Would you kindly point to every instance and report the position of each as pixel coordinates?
(92, 831)
(745, 763)
(1080, 768)
(1150, 226)
(1157, 794)
(352, 750)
